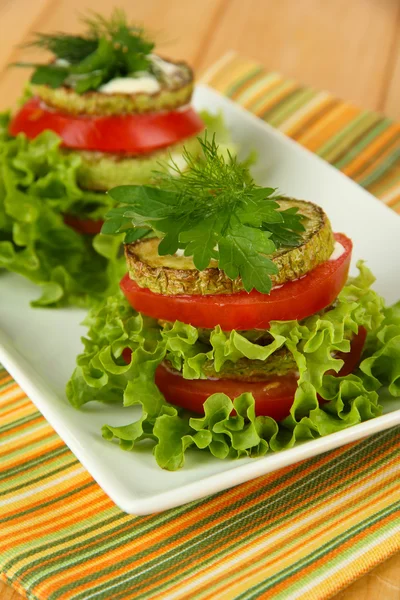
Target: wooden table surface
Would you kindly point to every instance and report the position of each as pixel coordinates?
(349, 47)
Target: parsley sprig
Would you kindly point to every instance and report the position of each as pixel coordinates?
(212, 210)
(110, 48)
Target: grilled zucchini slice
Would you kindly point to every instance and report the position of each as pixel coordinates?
(173, 94)
(101, 171)
(175, 275)
(281, 362)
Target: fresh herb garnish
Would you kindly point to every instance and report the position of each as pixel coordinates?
(212, 210)
(110, 48)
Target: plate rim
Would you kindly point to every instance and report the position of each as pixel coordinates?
(14, 363)
(37, 390)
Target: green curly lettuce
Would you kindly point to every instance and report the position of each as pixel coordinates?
(38, 185)
(231, 428)
(380, 367)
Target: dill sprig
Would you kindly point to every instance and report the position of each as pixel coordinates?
(99, 26)
(216, 177)
(109, 48)
(212, 210)
(72, 48)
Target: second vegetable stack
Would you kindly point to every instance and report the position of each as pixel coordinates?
(112, 101)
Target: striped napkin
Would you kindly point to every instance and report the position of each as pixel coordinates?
(363, 144)
(304, 532)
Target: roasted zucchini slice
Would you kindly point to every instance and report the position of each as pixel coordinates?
(174, 92)
(101, 171)
(280, 362)
(175, 275)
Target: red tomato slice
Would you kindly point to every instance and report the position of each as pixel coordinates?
(351, 359)
(132, 133)
(86, 226)
(273, 397)
(294, 300)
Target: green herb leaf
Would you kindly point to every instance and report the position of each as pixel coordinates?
(132, 49)
(110, 48)
(136, 234)
(89, 81)
(49, 75)
(99, 59)
(286, 232)
(211, 210)
(72, 48)
(242, 252)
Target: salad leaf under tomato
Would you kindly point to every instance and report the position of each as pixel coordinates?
(38, 184)
(102, 374)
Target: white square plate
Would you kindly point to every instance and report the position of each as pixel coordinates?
(39, 346)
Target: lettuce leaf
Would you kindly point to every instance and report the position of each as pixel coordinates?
(38, 184)
(230, 428)
(380, 366)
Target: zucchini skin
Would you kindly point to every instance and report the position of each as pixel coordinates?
(169, 97)
(171, 275)
(279, 363)
(100, 171)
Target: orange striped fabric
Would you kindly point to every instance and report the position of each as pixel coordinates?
(363, 144)
(304, 532)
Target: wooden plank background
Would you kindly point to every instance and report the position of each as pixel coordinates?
(348, 47)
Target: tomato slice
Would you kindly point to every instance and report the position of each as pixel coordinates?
(86, 226)
(131, 133)
(273, 396)
(351, 359)
(294, 300)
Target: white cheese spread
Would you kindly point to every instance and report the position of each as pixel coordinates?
(167, 69)
(146, 83)
(61, 62)
(338, 250)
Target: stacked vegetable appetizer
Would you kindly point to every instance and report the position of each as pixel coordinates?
(106, 111)
(238, 331)
(121, 108)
